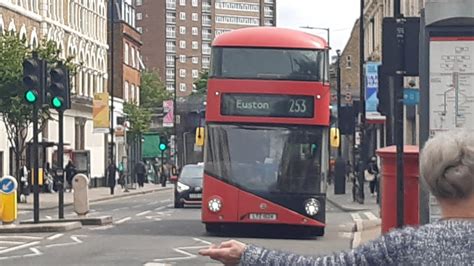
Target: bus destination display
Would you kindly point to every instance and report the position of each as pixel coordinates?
(267, 105)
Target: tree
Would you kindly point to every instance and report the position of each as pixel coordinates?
(152, 91)
(16, 113)
(138, 117)
(201, 83)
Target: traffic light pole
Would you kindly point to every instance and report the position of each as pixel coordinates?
(362, 148)
(35, 166)
(162, 176)
(61, 164)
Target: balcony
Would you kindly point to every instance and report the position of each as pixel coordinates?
(269, 1)
(171, 49)
(207, 36)
(171, 34)
(206, 8)
(171, 20)
(171, 6)
(268, 13)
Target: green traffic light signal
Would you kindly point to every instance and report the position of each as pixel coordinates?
(31, 96)
(162, 147)
(57, 102)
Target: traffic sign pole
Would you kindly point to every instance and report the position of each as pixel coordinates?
(61, 165)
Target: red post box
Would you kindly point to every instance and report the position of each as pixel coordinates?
(388, 186)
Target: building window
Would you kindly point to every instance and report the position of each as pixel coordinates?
(195, 17)
(125, 91)
(182, 2)
(139, 16)
(132, 93)
(195, 45)
(170, 74)
(195, 31)
(348, 61)
(182, 15)
(182, 73)
(139, 2)
(171, 47)
(170, 17)
(169, 86)
(125, 54)
(182, 59)
(206, 48)
(207, 34)
(169, 60)
(195, 73)
(182, 44)
(182, 30)
(194, 3)
(195, 60)
(170, 32)
(171, 4)
(134, 62)
(182, 87)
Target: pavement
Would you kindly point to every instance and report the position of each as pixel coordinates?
(50, 200)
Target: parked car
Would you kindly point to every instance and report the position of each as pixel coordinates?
(188, 188)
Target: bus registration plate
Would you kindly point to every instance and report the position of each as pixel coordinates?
(262, 216)
(195, 195)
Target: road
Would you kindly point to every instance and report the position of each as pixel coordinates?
(147, 230)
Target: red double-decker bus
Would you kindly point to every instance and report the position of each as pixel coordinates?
(267, 122)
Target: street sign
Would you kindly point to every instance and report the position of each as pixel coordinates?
(411, 96)
(8, 185)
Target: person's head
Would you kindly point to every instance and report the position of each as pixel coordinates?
(447, 166)
(373, 159)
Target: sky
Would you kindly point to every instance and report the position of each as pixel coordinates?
(337, 15)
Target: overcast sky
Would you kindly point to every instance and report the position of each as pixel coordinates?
(338, 15)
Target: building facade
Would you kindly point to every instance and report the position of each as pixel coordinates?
(177, 34)
(79, 29)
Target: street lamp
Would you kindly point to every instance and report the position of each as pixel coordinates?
(319, 28)
(176, 58)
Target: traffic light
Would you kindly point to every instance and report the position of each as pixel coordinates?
(163, 144)
(58, 92)
(33, 69)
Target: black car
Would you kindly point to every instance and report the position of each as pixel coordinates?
(188, 188)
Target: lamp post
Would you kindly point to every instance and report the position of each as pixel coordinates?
(176, 58)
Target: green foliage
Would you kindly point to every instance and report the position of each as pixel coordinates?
(15, 112)
(152, 90)
(201, 83)
(138, 117)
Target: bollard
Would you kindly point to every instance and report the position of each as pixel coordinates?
(8, 200)
(80, 185)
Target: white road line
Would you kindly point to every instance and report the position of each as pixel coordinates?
(35, 251)
(22, 237)
(74, 238)
(103, 227)
(356, 216)
(11, 242)
(123, 220)
(345, 235)
(160, 208)
(187, 254)
(55, 236)
(371, 216)
(166, 200)
(139, 205)
(202, 241)
(143, 213)
(30, 244)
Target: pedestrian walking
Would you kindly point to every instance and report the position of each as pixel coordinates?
(447, 165)
(373, 171)
(140, 170)
(70, 173)
(111, 175)
(121, 171)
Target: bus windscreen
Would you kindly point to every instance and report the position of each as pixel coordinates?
(268, 64)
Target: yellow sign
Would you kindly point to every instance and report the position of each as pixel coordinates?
(101, 112)
(335, 137)
(200, 136)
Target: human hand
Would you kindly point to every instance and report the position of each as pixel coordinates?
(228, 252)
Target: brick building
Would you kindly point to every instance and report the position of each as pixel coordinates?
(177, 34)
(350, 88)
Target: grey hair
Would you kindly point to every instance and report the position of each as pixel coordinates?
(447, 164)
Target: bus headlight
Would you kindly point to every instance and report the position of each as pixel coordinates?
(180, 187)
(214, 205)
(312, 207)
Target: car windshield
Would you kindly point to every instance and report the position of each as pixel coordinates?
(271, 64)
(192, 172)
(266, 159)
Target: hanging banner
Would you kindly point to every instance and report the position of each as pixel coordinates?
(101, 112)
(371, 88)
(168, 113)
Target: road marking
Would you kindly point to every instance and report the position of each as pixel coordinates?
(371, 216)
(74, 238)
(19, 247)
(22, 237)
(160, 208)
(356, 216)
(11, 242)
(35, 251)
(143, 213)
(345, 235)
(166, 200)
(123, 220)
(202, 241)
(103, 227)
(187, 254)
(136, 206)
(55, 236)
(156, 218)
